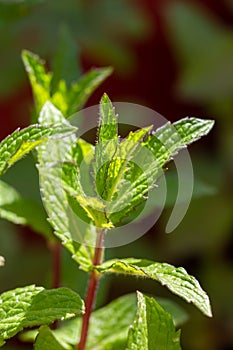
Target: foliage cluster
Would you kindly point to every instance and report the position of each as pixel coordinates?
(69, 195)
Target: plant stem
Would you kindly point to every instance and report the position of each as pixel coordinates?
(56, 264)
(91, 289)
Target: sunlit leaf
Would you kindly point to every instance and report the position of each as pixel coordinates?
(40, 80)
(152, 328)
(33, 306)
(155, 151)
(64, 221)
(106, 149)
(174, 278)
(20, 142)
(110, 335)
(67, 94)
(81, 91)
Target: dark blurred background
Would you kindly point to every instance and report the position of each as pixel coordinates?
(175, 57)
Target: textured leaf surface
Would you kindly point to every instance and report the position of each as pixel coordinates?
(68, 95)
(124, 172)
(108, 129)
(110, 166)
(20, 142)
(108, 326)
(114, 171)
(166, 141)
(67, 226)
(40, 80)
(86, 85)
(22, 211)
(175, 279)
(178, 313)
(86, 198)
(110, 335)
(86, 207)
(50, 172)
(106, 149)
(45, 340)
(161, 147)
(33, 306)
(152, 328)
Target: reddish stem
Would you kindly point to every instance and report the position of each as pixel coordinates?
(91, 289)
(56, 264)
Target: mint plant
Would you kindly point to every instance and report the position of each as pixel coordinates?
(88, 191)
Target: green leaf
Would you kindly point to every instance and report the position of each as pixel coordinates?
(152, 328)
(20, 142)
(80, 204)
(82, 152)
(89, 209)
(68, 95)
(51, 161)
(84, 255)
(108, 326)
(125, 171)
(130, 159)
(2, 261)
(94, 207)
(166, 141)
(22, 211)
(95, 210)
(105, 167)
(183, 132)
(111, 334)
(40, 80)
(45, 340)
(50, 172)
(174, 278)
(81, 91)
(108, 129)
(179, 315)
(112, 157)
(77, 175)
(155, 151)
(34, 306)
(72, 99)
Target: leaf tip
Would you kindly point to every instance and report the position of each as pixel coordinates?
(208, 310)
(105, 99)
